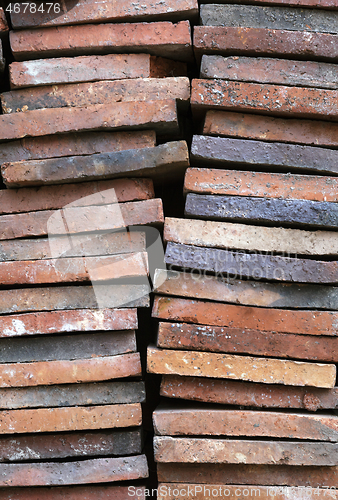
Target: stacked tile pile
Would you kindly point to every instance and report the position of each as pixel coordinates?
(3, 34)
(93, 91)
(248, 310)
(64, 341)
(135, 84)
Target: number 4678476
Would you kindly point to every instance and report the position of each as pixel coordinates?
(32, 8)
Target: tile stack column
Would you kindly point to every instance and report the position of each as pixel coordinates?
(247, 334)
(93, 114)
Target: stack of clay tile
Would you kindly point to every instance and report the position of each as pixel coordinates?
(71, 76)
(3, 34)
(69, 414)
(109, 75)
(248, 310)
(93, 90)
